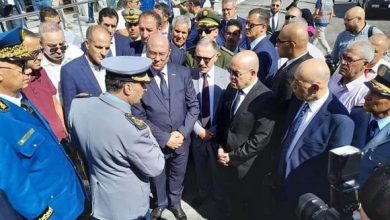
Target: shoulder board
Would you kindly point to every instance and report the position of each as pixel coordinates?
(3, 106)
(227, 51)
(138, 123)
(83, 95)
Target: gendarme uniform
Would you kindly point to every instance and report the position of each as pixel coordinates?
(35, 172)
(131, 16)
(207, 18)
(120, 150)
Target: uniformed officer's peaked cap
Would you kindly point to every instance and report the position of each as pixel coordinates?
(131, 15)
(127, 68)
(381, 83)
(208, 18)
(11, 47)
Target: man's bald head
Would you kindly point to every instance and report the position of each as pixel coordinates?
(248, 59)
(292, 40)
(243, 69)
(354, 19)
(356, 11)
(295, 11)
(381, 44)
(311, 80)
(158, 50)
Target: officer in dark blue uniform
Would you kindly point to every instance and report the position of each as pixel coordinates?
(35, 173)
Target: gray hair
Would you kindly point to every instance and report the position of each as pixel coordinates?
(181, 19)
(364, 48)
(229, 1)
(297, 20)
(205, 42)
(49, 27)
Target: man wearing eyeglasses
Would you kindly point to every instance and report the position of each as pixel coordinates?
(210, 83)
(257, 41)
(276, 18)
(229, 11)
(356, 28)
(36, 174)
(207, 23)
(348, 84)
(244, 128)
(41, 91)
(56, 52)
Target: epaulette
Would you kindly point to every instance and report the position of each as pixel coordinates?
(83, 95)
(3, 106)
(227, 51)
(138, 123)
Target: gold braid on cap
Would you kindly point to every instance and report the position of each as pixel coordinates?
(380, 86)
(16, 51)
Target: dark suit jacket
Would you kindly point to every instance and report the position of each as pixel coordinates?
(222, 30)
(177, 55)
(307, 167)
(137, 47)
(77, 77)
(122, 46)
(268, 59)
(245, 136)
(281, 82)
(6, 209)
(180, 115)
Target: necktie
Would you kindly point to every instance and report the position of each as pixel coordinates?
(163, 87)
(236, 101)
(286, 148)
(373, 129)
(205, 103)
(273, 23)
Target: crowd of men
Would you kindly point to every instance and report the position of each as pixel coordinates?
(252, 101)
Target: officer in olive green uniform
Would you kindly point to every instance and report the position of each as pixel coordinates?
(208, 22)
(131, 16)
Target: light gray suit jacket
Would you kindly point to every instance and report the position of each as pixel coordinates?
(221, 81)
(121, 156)
(280, 24)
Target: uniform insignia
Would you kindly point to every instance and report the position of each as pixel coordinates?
(26, 136)
(138, 123)
(205, 13)
(131, 12)
(46, 215)
(227, 51)
(3, 106)
(382, 70)
(83, 95)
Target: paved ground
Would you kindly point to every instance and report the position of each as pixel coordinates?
(206, 211)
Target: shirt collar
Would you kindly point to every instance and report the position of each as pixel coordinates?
(210, 73)
(15, 100)
(288, 62)
(256, 41)
(92, 65)
(247, 89)
(381, 122)
(117, 100)
(164, 70)
(353, 84)
(317, 104)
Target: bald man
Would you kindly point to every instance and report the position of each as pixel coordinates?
(243, 131)
(170, 108)
(356, 28)
(317, 122)
(381, 44)
(291, 44)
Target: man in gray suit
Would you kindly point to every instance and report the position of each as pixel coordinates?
(210, 83)
(120, 149)
(276, 17)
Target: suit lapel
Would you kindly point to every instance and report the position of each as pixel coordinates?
(171, 83)
(248, 99)
(382, 137)
(154, 87)
(90, 76)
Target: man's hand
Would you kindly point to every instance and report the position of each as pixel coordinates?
(205, 135)
(223, 158)
(176, 140)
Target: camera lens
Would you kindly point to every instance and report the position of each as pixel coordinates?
(309, 206)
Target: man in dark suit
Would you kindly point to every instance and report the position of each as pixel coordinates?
(229, 11)
(120, 45)
(84, 75)
(210, 83)
(244, 130)
(291, 44)
(372, 124)
(180, 29)
(257, 41)
(170, 108)
(317, 122)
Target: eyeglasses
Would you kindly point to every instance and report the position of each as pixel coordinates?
(278, 41)
(22, 64)
(349, 19)
(35, 53)
(347, 59)
(54, 49)
(236, 73)
(206, 30)
(206, 60)
(153, 55)
(275, 5)
(250, 26)
(288, 17)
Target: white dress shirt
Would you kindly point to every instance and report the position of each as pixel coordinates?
(256, 41)
(15, 100)
(99, 73)
(164, 72)
(243, 94)
(112, 47)
(275, 18)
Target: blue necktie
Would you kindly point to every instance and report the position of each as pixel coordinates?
(286, 148)
(373, 129)
(163, 87)
(236, 101)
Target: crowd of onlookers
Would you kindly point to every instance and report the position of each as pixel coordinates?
(253, 100)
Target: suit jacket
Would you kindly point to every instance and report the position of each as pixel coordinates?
(221, 81)
(121, 156)
(281, 82)
(307, 167)
(178, 55)
(122, 46)
(137, 47)
(376, 151)
(279, 26)
(245, 136)
(181, 113)
(222, 30)
(77, 77)
(268, 59)
(6, 209)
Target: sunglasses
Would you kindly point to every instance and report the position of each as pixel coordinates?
(288, 17)
(206, 30)
(54, 49)
(22, 64)
(275, 5)
(206, 60)
(250, 26)
(281, 41)
(35, 53)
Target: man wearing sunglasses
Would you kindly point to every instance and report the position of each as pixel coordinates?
(36, 174)
(276, 18)
(208, 22)
(56, 52)
(41, 91)
(229, 12)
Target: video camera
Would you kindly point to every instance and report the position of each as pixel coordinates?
(343, 169)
